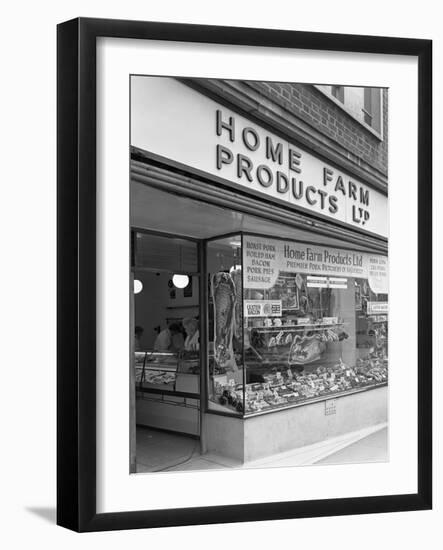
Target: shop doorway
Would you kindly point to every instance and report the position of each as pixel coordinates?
(166, 335)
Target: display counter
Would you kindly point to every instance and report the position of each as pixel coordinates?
(284, 387)
(168, 391)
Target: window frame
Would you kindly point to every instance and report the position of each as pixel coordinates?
(326, 90)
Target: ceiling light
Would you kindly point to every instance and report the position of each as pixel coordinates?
(138, 286)
(180, 281)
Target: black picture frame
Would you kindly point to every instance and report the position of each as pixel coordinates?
(76, 293)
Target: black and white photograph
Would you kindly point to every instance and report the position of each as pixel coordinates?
(241, 214)
(221, 276)
(259, 309)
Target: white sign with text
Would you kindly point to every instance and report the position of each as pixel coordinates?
(178, 123)
(262, 308)
(377, 307)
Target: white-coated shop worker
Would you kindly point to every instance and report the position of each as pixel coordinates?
(170, 339)
(192, 334)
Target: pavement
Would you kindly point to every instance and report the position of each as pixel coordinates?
(372, 448)
(159, 451)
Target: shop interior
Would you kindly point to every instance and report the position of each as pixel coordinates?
(321, 339)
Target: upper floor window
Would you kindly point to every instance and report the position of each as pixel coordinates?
(363, 104)
(338, 92)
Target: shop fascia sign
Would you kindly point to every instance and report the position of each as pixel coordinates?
(282, 171)
(264, 259)
(178, 123)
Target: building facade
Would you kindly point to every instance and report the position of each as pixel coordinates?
(259, 231)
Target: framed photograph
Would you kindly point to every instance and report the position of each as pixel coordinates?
(241, 213)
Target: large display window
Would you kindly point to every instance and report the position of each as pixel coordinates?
(292, 322)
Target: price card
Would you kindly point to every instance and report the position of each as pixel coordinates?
(330, 320)
(303, 321)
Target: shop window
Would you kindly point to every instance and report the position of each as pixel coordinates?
(314, 323)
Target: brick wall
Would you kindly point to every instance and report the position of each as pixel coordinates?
(315, 109)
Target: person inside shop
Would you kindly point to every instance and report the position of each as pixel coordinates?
(138, 333)
(192, 334)
(170, 339)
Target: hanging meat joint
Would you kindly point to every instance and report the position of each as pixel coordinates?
(224, 298)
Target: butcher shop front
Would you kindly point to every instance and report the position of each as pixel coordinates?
(260, 308)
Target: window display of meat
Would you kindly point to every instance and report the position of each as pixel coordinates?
(286, 387)
(306, 349)
(268, 316)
